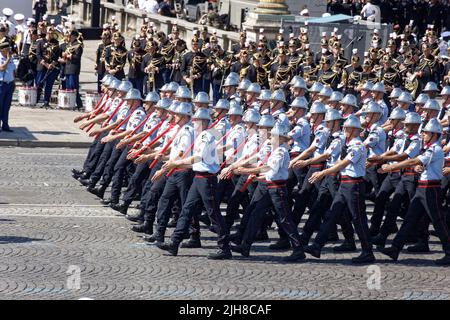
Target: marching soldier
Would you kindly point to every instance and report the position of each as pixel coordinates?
(350, 195)
(428, 196)
(205, 164)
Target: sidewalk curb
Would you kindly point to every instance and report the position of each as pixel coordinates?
(44, 144)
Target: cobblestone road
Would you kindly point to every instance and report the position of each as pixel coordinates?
(50, 226)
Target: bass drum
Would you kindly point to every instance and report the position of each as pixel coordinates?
(67, 99)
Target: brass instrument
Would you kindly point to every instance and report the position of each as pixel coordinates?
(196, 69)
(70, 50)
(154, 63)
(118, 59)
(243, 72)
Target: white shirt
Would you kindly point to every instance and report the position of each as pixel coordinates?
(368, 10)
(151, 6)
(205, 148)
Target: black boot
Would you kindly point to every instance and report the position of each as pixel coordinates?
(363, 258)
(221, 254)
(205, 220)
(145, 227)
(194, 242)
(155, 237)
(419, 247)
(77, 172)
(106, 201)
(297, 255)
(170, 247)
(236, 238)
(243, 250)
(99, 192)
(281, 244)
(444, 261)
(379, 240)
(262, 236)
(346, 246)
(313, 250)
(133, 218)
(172, 223)
(85, 182)
(391, 252)
(123, 208)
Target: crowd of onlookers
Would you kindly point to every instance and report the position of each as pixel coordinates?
(162, 7)
(419, 13)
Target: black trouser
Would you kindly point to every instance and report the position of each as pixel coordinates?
(225, 187)
(109, 167)
(202, 191)
(177, 184)
(307, 195)
(406, 187)
(238, 198)
(151, 193)
(101, 164)
(387, 188)
(374, 179)
(270, 195)
(327, 192)
(427, 201)
(350, 196)
(120, 170)
(135, 184)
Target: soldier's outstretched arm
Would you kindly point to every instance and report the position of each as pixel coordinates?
(340, 165)
(400, 165)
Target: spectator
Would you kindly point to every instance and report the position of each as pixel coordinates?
(151, 6)
(369, 10)
(166, 8)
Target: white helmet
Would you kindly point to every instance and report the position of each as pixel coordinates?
(299, 83)
(164, 103)
(172, 87)
(185, 108)
(368, 86)
(125, 86)
(433, 126)
(201, 97)
(317, 107)
(422, 98)
(202, 114)
(332, 115)
(133, 94)
(352, 122)
(266, 121)
(300, 102)
(278, 95)
(431, 86)
(245, 83)
(254, 88)
(336, 96)
(379, 87)
(316, 87)
(445, 91)
(413, 118)
(265, 95)
(405, 97)
(326, 91)
(152, 97)
(280, 130)
(222, 104)
(373, 107)
(251, 115)
(183, 92)
(235, 111)
(395, 93)
(432, 104)
(350, 100)
(398, 114)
